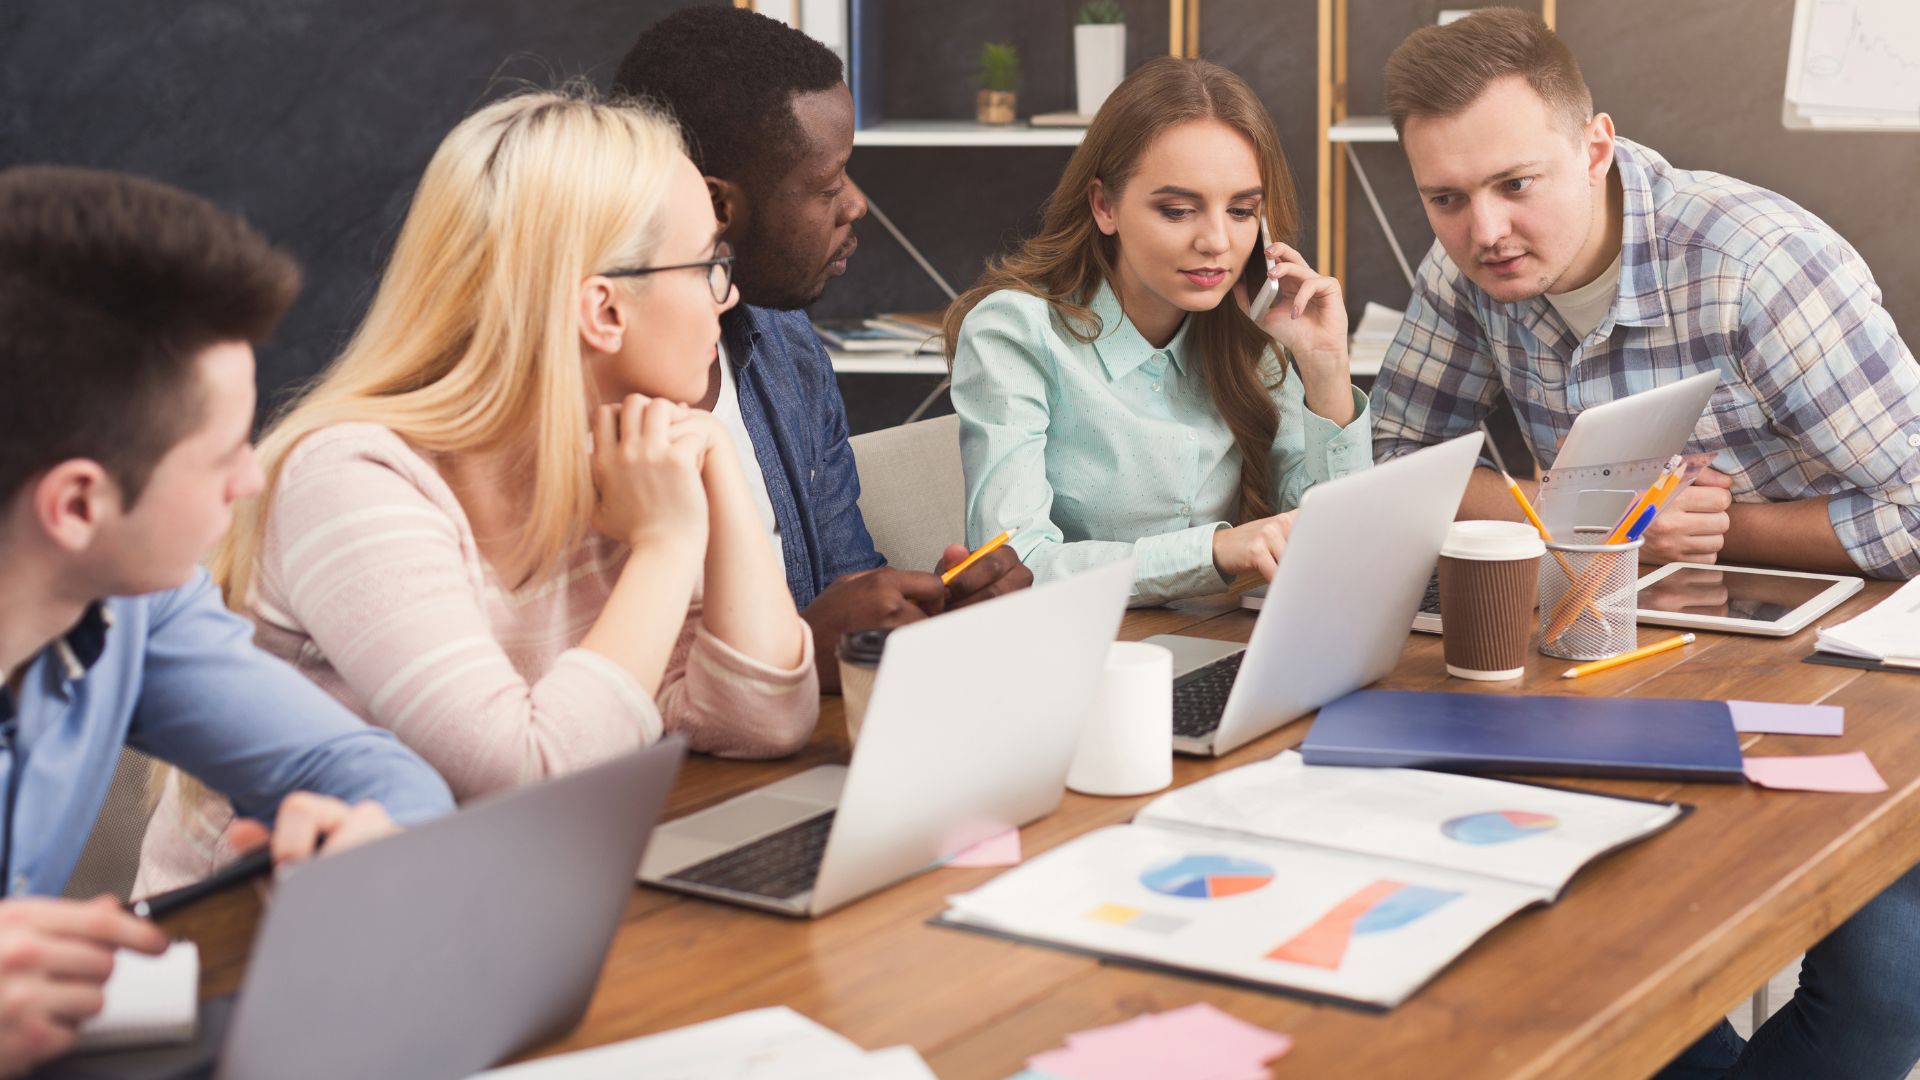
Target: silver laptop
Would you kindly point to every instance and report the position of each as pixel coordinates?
(973, 720)
(1335, 615)
(449, 947)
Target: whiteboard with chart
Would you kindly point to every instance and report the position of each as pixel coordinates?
(1854, 65)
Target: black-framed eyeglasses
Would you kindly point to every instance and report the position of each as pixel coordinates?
(719, 271)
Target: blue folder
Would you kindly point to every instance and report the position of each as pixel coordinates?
(1663, 738)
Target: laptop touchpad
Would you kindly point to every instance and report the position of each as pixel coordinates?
(696, 838)
(744, 819)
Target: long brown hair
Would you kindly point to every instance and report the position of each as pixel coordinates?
(1068, 259)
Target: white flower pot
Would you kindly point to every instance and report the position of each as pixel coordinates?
(1099, 63)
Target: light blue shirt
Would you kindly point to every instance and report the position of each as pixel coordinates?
(176, 675)
(1112, 449)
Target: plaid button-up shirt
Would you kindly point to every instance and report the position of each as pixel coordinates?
(1818, 395)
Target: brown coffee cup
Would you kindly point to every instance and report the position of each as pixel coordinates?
(859, 655)
(1489, 576)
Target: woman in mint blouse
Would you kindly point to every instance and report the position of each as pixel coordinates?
(1115, 399)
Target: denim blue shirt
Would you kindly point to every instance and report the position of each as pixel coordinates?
(176, 675)
(793, 414)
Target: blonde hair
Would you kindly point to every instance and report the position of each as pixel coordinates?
(472, 342)
(1068, 259)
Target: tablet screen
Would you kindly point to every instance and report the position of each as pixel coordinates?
(1731, 594)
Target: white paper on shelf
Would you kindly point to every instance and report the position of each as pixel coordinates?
(1367, 350)
(1854, 64)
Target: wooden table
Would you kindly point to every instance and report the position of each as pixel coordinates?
(1649, 947)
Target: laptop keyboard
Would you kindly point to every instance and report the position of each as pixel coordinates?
(1430, 603)
(781, 865)
(1201, 696)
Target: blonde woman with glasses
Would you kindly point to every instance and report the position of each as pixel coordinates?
(438, 547)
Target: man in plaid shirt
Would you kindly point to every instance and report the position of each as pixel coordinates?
(1574, 268)
(1572, 273)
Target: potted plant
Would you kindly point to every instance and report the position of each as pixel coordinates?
(1099, 53)
(999, 75)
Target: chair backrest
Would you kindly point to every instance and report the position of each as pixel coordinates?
(112, 854)
(912, 493)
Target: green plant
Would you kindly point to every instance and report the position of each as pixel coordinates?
(999, 66)
(1101, 13)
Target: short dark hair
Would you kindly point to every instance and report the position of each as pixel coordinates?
(111, 286)
(1441, 70)
(729, 75)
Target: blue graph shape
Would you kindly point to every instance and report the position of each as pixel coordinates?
(1193, 876)
(1409, 903)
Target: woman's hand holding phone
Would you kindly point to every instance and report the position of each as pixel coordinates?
(1308, 316)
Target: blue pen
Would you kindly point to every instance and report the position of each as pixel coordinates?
(1640, 526)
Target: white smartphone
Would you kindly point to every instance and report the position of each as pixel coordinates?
(1269, 288)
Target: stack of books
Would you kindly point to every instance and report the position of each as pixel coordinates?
(894, 332)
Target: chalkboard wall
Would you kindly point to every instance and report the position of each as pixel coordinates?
(314, 118)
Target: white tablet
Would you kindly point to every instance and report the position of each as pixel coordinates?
(1651, 424)
(1740, 599)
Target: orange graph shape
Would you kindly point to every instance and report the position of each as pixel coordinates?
(1219, 885)
(1324, 944)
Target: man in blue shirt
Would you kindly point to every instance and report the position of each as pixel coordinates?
(770, 123)
(127, 316)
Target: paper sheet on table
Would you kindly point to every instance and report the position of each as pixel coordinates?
(1329, 922)
(764, 1044)
(1889, 631)
(150, 1000)
(1774, 718)
(1000, 849)
(1850, 773)
(1525, 833)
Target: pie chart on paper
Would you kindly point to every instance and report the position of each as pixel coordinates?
(1499, 826)
(1207, 877)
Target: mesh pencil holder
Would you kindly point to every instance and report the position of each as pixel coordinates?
(1588, 600)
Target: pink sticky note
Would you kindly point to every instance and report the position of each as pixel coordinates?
(1773, 718)
(1225, 1036)
(1817, 772)
(1198, 1042)
(1000, 849)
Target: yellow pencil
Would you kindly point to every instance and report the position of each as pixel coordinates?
(1640, 653)
(984, 550)
(1513, 487)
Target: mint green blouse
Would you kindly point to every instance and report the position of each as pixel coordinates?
(1112, 450)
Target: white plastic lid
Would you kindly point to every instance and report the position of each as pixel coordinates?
(1493, 540)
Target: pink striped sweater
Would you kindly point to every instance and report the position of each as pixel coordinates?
(372, 585)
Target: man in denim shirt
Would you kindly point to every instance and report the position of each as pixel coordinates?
(127, 316)
(770, 123)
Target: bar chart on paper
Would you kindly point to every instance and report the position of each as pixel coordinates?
(1854, 65)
